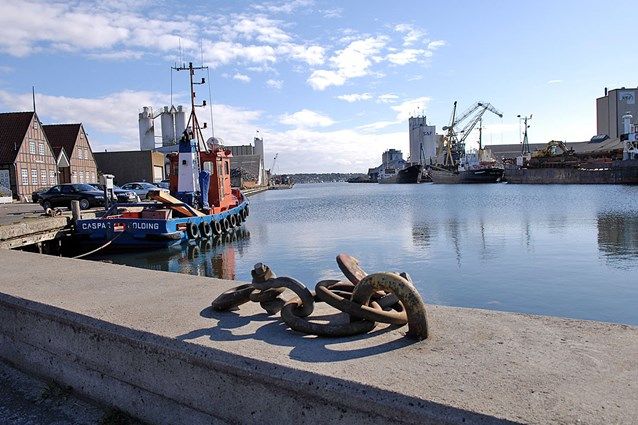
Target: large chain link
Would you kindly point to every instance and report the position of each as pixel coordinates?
(364, 298)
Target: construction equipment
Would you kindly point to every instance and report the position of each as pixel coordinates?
(553, 148)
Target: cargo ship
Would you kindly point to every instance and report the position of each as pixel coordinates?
(201, 203)
(394, 169)
(460, 166)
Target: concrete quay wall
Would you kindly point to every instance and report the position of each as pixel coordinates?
(145, 342)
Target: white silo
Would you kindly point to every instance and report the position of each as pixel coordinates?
(147, 129)
(168, 126)
(180, 121)
(422, 141)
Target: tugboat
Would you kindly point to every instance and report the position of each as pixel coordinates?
(201, 203)
(459, 166)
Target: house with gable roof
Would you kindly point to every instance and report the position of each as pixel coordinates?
(73, 153)
(27, 162)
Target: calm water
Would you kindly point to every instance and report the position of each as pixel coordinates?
(556, 250)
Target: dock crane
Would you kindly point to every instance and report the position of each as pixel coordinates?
(455, 146)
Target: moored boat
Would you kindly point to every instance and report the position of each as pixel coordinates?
(201, 203)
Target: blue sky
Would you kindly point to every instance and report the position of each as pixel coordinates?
(328, 84)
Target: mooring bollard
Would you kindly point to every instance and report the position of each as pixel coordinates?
(75, 210)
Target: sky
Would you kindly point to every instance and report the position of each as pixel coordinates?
(329, 85)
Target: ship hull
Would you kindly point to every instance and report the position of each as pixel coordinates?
(485, 175)
(407, 175)
(620, 172)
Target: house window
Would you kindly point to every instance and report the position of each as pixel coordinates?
(52, 179)
(79, 153)
(93, 176)
(25, 175)
(34, 177)
(32, 147)
(74, 177)
(43, 177)
(41, 146)
(82, 177)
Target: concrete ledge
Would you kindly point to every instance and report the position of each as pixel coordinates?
(145, 342)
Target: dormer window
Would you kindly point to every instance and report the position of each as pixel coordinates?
(32, 147)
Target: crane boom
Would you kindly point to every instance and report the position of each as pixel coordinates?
(477, 117)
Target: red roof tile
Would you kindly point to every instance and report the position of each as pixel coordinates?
(13, 128)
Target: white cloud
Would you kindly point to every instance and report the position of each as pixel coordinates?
(412, 35)
(354, 97)
(554, 81)
(121, 55)
(387, 98)
(350, 62)
(322, 79)
(306, 118)
(375, 126)
(283, 6)
(410, 108)
(408, 55)
(275, 84)
(241, 77)
(433, 45)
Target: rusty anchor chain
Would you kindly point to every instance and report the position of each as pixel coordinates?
(363, 299)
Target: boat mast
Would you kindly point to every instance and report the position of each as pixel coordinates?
(192, 119)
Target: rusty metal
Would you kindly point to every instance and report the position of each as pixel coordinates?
(405, 291)
(349, 266)
(234, 297)
(303, 324)
(359, 310)
(307, 305)
(364, 299)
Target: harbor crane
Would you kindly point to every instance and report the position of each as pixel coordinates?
(272, 167)
(455, 146)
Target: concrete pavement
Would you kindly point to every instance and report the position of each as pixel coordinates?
(147, 342)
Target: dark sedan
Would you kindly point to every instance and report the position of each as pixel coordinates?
(121, 194)
(62, 195)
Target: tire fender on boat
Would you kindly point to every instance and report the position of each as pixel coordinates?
(225, 224)
(193, 231)
(238, 219)
(205, 229)
(247, 211)
(217, 227)
(232, 220)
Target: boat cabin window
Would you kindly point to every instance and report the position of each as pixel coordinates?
(227, 168)
(208, 166)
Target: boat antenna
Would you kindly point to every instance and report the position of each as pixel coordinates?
(210, 101)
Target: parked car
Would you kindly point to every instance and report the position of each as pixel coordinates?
(35, 196)
(121, 195)
(62, 195)
(164, 184)
(141, 188)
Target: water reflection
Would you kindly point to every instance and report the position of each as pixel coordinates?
(618, 238)
(214, 257)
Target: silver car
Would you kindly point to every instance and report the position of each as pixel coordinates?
(141, 188)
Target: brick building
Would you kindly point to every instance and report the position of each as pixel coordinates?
(71, 145)
(27, 162)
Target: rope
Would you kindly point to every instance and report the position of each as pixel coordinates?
(98, 248)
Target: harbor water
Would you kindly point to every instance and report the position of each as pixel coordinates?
(568, 251)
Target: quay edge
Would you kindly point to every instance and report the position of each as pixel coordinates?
(146, 343)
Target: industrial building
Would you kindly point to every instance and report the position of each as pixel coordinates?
(132, 166)
(247, 163)
(423, 141)
(611, 108)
